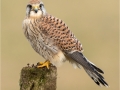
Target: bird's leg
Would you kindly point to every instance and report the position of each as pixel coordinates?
(45, 64)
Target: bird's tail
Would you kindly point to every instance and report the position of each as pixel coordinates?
(92, 70)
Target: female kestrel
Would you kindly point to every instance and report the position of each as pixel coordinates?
(52, 39)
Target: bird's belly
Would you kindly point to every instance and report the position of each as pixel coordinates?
(43, 44)
(48, 50)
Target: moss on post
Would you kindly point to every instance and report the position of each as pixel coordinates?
(33, 78)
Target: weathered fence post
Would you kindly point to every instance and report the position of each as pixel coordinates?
(33, 78)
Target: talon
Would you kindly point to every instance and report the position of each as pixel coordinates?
(28, 64)
(41, 63)
(45, 64)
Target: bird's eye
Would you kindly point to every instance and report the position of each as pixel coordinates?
(28, 9)
(41, 5)
(29, 6)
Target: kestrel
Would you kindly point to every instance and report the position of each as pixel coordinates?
(51, 38)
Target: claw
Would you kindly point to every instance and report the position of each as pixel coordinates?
(45, 64)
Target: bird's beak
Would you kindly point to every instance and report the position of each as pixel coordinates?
(35, 8)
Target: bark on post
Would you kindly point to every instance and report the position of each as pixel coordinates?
(33, 78)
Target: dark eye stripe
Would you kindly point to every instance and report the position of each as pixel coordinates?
(30, 6)
(28, 9)
(41, 5)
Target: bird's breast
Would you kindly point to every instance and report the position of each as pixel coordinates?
(42, 44)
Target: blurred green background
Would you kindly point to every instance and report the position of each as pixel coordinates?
(94, 23)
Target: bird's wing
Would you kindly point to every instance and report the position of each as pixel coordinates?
(57, 30)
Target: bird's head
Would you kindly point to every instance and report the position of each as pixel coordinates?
(35, 9)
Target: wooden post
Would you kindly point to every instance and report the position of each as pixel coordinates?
(33, 78)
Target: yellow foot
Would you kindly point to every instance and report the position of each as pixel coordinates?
(45, 64)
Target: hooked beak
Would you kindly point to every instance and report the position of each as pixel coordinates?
(35, 8)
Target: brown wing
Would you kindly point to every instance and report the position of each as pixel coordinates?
(56, 29)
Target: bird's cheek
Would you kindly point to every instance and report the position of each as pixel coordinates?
(35, 15)
(32, 14)
(39, 13)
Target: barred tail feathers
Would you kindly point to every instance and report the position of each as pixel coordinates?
(92, 70)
